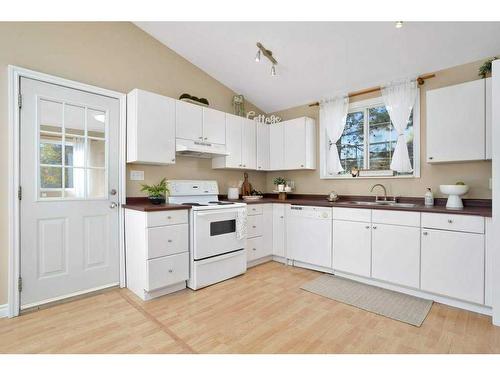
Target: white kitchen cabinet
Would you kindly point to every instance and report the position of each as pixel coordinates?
(396, 254)
(188, 121)
(488, 114)
(150, 128)
(263, 146)
(279, 230)
(488, 259)
(452, 264)
(352, 247)
(259, 231)
(157, 252)
(240, 144)
(299, 142)
(277, 147)
(456, 123)
(214, 126)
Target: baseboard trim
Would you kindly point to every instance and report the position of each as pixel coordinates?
(4, 311)
(262, 260)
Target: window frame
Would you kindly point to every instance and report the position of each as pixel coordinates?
(363, 105)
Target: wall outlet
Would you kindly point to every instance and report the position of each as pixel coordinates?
(137, 175)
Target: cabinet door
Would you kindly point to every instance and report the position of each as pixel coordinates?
(456, 122)
(295, 143)
(188, 121)
(151, 128)
(276, 149)
(488, 114)
(214, 126)
(233, 141)
(453, 264)
(396, 254)
(267, 228)
(249, 145)
(279, 229)
(262, 146)
(352, 247)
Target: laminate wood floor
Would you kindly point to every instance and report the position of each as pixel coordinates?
(263, 311)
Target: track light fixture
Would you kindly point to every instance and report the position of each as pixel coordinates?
(269, 55)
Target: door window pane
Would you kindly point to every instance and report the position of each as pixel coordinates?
(75, 152)
(50, 114)
(50, 152)
(96, 121)
(96, 183)
(74, 120)
(97, 153)
(74, 185)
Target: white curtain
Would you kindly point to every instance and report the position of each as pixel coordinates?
(399, 99)
(333, 114)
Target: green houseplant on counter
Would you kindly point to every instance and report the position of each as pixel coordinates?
(157, 193)
(280, 183)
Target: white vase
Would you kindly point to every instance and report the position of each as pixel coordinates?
(281, 187)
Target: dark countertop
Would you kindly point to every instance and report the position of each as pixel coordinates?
(475, 207)
(143, 204)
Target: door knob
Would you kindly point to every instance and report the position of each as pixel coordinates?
(112, 192)
(113, 205)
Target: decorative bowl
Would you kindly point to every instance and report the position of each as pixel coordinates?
(454, 192)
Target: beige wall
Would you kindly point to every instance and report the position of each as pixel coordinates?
(116, 56)
(475, 174)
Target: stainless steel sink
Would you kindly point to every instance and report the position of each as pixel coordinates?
(380, 203)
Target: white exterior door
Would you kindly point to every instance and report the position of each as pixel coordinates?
(69, 176)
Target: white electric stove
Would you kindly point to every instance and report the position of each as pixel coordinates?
(217, 243)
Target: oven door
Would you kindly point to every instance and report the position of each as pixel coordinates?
(215, 233)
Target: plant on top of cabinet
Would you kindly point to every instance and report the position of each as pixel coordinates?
(485, 69)
(157, 193)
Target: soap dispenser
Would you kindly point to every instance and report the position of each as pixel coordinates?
(429, 197)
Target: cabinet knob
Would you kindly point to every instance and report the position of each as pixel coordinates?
(205, 138)
(374, 227)
(253, 226)
(169, 217)
(173, 160)
(281, 217)
(170, 271)
(302, 165)
(254, 249)
(367, 227)
(200, 137)
(239, 165)
(431, 157)
(450, 221)
(244, 165)
(425, 233)
(169, 241)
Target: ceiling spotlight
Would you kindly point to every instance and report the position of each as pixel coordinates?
(273, 70)
(399, 24)
(257, 56)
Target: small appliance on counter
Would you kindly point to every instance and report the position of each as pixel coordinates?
(454, 192)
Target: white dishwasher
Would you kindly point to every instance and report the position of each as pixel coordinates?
(309, 235)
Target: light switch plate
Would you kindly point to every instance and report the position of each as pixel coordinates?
(137, 175)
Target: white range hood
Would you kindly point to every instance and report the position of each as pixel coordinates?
(199, 149)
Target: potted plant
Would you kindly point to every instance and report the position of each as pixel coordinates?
(280, 183)
(157, 193)
(485, 69)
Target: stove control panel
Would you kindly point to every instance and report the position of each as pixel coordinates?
(192, 187)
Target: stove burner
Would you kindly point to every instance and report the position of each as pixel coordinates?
(219, 203)
(195, 204)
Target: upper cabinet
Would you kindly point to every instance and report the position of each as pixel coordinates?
(150, 128)
(458, 122)
(197, 123)
(276, 148)
(299, 142)
(240, 144)
(263, 146)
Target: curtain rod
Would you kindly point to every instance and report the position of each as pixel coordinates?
(420, 80)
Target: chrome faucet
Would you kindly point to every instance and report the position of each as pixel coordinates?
(385, 192)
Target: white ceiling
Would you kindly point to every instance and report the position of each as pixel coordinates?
(322, 59)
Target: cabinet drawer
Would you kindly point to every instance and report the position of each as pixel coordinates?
(167, 240)
(411, 219)
(254, 226)
(255, 248)
(461, 223)
(352, 214)
(159, 218)
(254, 209)
(165, 271)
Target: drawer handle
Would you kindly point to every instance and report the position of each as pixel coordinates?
(425, 233)
(450, 221)
(367, 227)
(169, 241)
(374, 227)
(254, 249)
(169, 217)
(253, 226)
(431, 157)
(281, 217)
(170, 271)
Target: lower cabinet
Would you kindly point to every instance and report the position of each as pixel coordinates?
(396, 254)
(259, 231)
(453, 264)
(352, 247)
(278, 223)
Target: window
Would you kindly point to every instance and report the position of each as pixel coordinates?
(369, 139)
